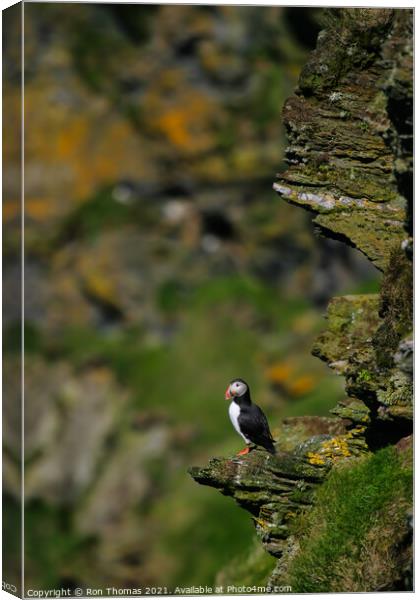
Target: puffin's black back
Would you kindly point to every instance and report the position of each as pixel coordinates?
(254, 425)
(252, 421)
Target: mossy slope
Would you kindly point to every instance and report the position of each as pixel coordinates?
(355, 538)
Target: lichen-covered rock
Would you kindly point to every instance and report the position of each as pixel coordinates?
(275, 488)
(350, 164)
(340, 165)
(355, 345)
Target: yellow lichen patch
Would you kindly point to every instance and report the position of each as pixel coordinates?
(337, 447)
(180, 113)
(357, 431)
(99, 278)
(101, 287)
(261, 522)
(70, 139)
(315, 458)
(333, 449)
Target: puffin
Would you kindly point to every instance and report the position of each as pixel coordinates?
(247, 418)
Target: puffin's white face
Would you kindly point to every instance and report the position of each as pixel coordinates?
(235, 389)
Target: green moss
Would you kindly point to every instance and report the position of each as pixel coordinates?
(353, 409)
(396, 307)
(368, 493)
(364, 375)
(270, 95)
(97, 51)
(171, 296)
(351, 321)
(103, 211)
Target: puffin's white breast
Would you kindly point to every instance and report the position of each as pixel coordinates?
(234, 411)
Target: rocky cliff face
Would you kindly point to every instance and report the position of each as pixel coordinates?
(334, 504)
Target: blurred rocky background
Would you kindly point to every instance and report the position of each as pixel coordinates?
(159, 264)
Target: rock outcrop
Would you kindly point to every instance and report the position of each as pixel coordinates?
(349, 159)
(342, 150)
(275, 488)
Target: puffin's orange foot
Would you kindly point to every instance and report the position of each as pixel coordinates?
(244, 451)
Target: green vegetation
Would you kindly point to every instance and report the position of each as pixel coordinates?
(340, 549)
(250, 568)
(317, 402)
(187, 376)
(51, 542)
(224, 330)
(396, 307)
(104, 211)
(215, 532)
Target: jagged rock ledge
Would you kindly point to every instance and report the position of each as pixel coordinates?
(341, 129)
(275, 488)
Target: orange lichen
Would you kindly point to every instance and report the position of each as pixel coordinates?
(187, 123)
(71, 138)
(279, 372)
(301, 385)
(39, 208)
(283, 374)
(77, 151)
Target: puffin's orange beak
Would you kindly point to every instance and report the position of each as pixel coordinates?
(228, 395)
